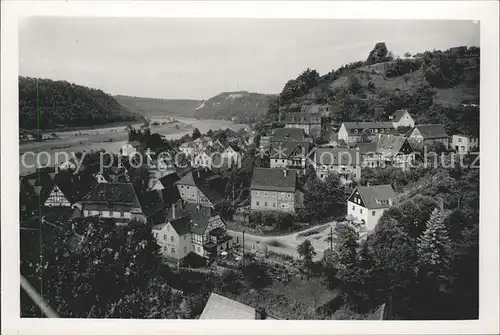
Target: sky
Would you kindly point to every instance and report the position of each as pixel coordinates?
(199, 58)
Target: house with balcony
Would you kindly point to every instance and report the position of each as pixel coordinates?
(289, 154)
(192, 228)
(275, 190)
(354, 132)
(343, 161)
(366, 204)
(464, 144)
(309, 122)
(429, 133)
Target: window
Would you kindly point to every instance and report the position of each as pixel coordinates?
(182, 186)
(198, 249)
(257, 194)
(361, 211)
(256, 203)
(185, 237)
(172, 238)
(265, 203)
(165, 249)
(459, 139)
(173, 251)
(352, 207)
(289, 195)
(265, 194)
(185, 250)
(373, 213)
(274, 194)
(100, 213)
(165, 237)
(122, 215)
(274, 204)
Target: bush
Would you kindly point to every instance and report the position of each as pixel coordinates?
(401, 67)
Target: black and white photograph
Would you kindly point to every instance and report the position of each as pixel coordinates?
(250, 168)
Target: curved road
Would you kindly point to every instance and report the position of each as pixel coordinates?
(287, 244)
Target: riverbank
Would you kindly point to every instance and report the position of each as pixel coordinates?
(33, 154)
(90, 127)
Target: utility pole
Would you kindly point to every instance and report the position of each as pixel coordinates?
(243, 244)
(331, 238)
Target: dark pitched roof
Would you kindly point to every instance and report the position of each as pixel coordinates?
(284, 149)
(197, 177)
(281, 134)
(303, 118)
(398, 114)
(373, 195)
(389, 144)
(198, 215)
(430, 131)
(367, 125)
(274, 180)
(181, 225)
(151, 202)
(337, 156)
(169, 180)
(112, 192)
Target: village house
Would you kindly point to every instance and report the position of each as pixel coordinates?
(203, 142)
(402, 118)
(113, 200)
(129, 149)
(464, 143)
(289, 154)
(366, 204)
(275, 190)
(188, 149)
(219, 307)
(231, 155)
(265, 140)
(51, 189)
(192, 228)
(387, 150)
(310, 123)
(200, 186)
(353, 132)
(205, 158)
(429, 133)
(343, 161)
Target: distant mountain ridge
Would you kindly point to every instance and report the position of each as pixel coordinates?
(159, 107)
(240, 106)
(47, 104)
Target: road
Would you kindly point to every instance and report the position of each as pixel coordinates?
(287, 244)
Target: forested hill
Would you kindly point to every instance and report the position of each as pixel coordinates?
(435, 86)
(159, 107)
(242, 107)
(63, 104)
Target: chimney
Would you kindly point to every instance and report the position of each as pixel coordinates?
(260, 313)
(173, 210)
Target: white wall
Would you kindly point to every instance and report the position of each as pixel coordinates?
(371, 217)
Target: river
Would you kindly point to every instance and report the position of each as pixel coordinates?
(47, 153)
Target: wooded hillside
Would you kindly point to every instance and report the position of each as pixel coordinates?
(46, 104)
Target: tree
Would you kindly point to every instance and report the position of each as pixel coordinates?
(323, 198)
(434, 246)
(407, 54)
(255, 272)
(306, 251)
(196, 134)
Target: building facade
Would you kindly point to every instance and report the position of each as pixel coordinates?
(367, 204)
(402, 118)
(275, 190)
(464, 144)
(309, 123)
(353, 132)
(342, 161)
(429, 133)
